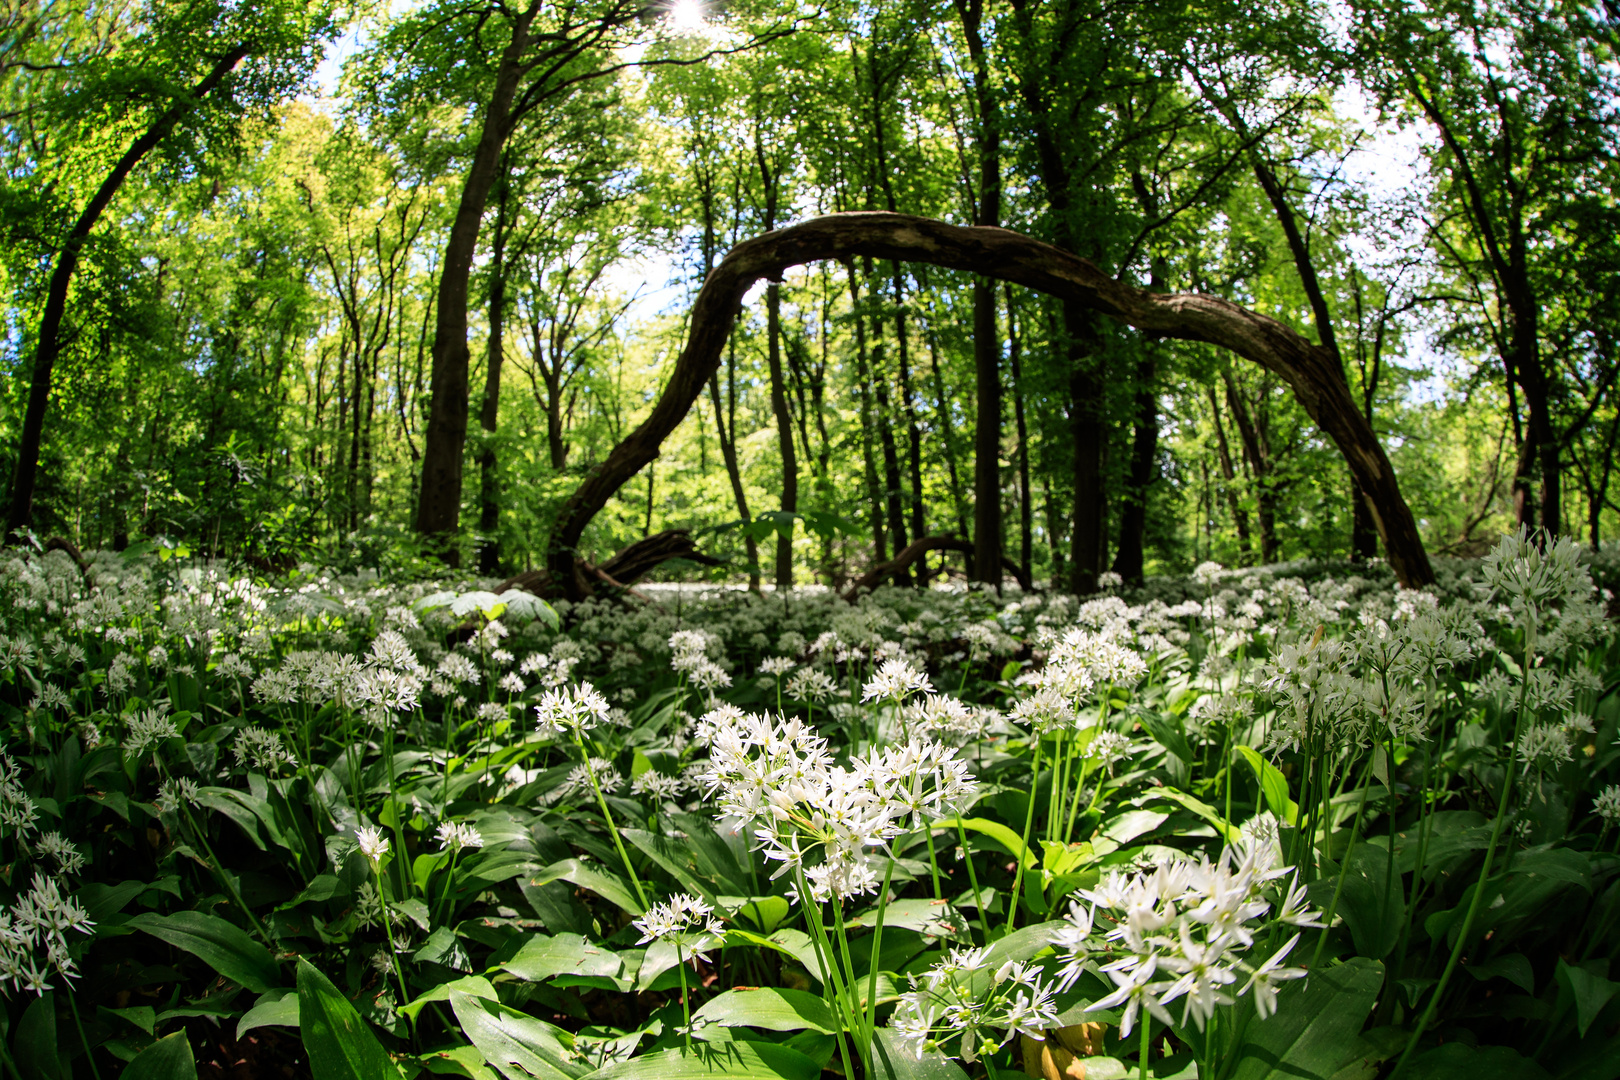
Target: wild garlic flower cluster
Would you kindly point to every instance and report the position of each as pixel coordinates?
(776, 775)
(38, 923)
(691, 658)
(571, 710)
(18, 814)
(961, 997)
(1081, 664)
(456, 836)
(261, 751)
(686, 921)
(895, 681)
(1184, 930)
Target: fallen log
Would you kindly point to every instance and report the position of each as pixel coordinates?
(621, 571)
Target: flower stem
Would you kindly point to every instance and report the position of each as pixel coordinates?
(607, 818)
(73, 1003)
(1029, 821)
(1146, 1050)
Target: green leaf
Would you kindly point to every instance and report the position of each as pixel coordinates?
(1008, 840)
(37, 1056)
(1317, 1028)
(935, 918)
(1590, 991)
(789, 942)
(101, 902)
(167, 1059)
(1273, 785)
(280, 1011)
(1514, 967)
(542, 957)
(1132, 824)
(1227, 830)
(765, 912)
(340, 1045)
(223, 946)
(764, 1061)
(1371, 903)
(1167, 733)
(517, 1044)
(770, 1009)
(1458, 1061)
(608, 886)
(890, 1061)
(476, 985)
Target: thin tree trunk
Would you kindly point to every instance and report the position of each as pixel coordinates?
(1026, 510)
(47, 339)
(892, 493)
(1257, 452)
(438, 513)
(1130, 560)
(1240, 516)
(863, 383)
(987, 550)
(489, 492)
(784, 434)
(913, 431)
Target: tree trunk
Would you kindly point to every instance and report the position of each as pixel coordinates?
(1089, 434)
(489, 492)
(1130, 560)
(1257, 451)
(893, 504)
(438, 514)
(784, 435)
(908, 406)
(1240, 516)
(1026, 511)
(987, 548)
(47, 341)
(1009, 256)
(863, 381)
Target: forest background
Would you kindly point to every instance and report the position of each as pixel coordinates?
(364, 286)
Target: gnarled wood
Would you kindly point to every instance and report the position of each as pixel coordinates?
(624, 569)
(916, 550)
(1009, 256)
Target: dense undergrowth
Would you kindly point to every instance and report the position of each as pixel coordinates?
(1289, 822)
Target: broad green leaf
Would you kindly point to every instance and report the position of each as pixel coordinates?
(1167, 732)
(1317, 1027)
(280, 1011)
(1227, 830)
(769, 1008)
(1458, 1061)
(677, 860)
(1124, 828)
(762, 1061)
(1273, 785)
(101, 902)
(789, 942)
(223, 946)
(608, 886)
(167, 1059)
(891, 1061)
(340, 1045)
(517, 1044)
(1008, 840)
(1590, 991)
(542, 957)
(476, 985)
(935, 918)
(37, 1055)
(1371, 903)
(765, 912)
(462, 1060)
(1514, 967)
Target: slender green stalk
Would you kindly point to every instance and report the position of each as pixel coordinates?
(224, 879)
(388, 929)
(877, 951)
(933, 862)
(1344, 867)
(1479, 888)
(607, 817)
(73, 1004)
(1146, 1050)
(686, 999)
(973, 877)
(830, 981)
(1029, 821)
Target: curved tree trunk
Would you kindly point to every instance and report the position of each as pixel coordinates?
(1009, 256)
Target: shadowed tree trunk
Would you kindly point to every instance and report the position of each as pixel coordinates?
(47, 341)
(1240, 516)
(1009, 256)
(986, 342)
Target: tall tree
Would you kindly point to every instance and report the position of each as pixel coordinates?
(185, 78)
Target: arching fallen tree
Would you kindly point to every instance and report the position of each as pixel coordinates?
(1009, 256)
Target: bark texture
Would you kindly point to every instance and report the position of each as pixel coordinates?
(1013, 257)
